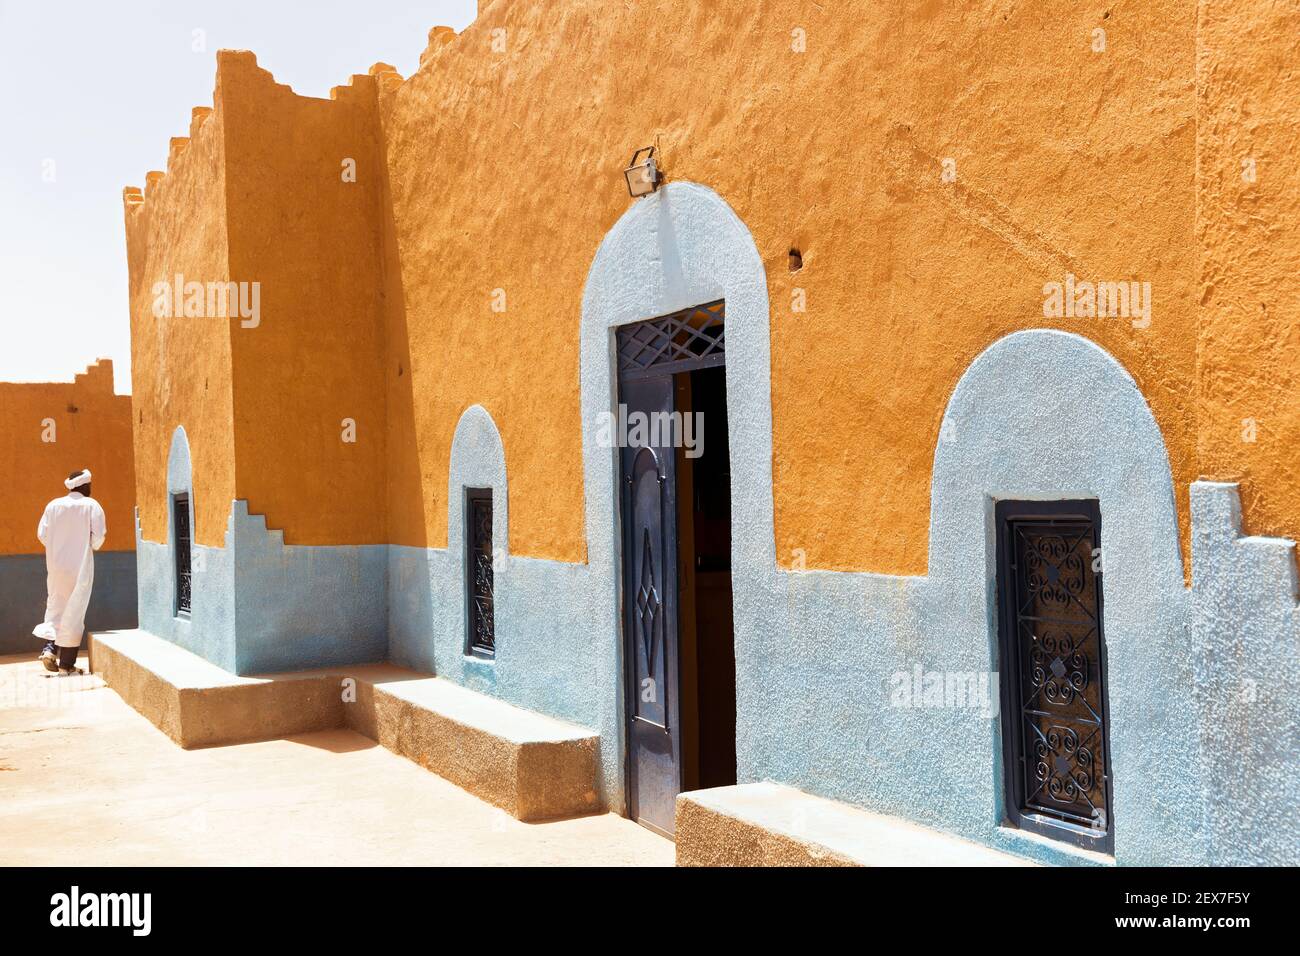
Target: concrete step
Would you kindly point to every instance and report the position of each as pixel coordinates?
(767, 824)
(197, 704)
(531, 765)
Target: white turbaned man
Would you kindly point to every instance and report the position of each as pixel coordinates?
(72, 530)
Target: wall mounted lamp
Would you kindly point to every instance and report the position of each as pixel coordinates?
(643, 177)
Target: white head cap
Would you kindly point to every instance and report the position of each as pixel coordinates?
(76, 481)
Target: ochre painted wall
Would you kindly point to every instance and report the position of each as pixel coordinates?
(503, 159)
(257, 195)
(181, 366)
(311, 238)
(1249, 127)
(92, 429)
(505, 173)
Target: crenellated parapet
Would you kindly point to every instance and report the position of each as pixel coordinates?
(253, 88)
(279, 197)
(198, 116)
(97, 376)
(439, 37)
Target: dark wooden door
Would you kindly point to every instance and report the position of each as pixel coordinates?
(650, 354)
(650, 609)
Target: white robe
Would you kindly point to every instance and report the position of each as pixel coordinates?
(71, 529)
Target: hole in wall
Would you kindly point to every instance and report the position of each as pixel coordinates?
(796, 260)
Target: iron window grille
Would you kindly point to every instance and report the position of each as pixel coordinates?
(480, 617)
(682, 342)
(181, 536)
(1053, 652)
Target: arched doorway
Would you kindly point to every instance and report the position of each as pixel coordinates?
(670, 260)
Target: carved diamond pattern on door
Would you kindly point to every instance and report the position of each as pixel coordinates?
(648, 605)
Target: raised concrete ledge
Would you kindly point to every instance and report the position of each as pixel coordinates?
(482, 713)
(530, 765)
(197, 704)
(768, 824)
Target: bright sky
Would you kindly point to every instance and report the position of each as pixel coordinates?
(90, 93)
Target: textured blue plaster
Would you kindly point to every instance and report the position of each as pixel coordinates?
(22, 597)
(679, 247)
(209, 630)
(815, 671)
(1248, 678)
(547, 656)
(304, 606)
(257, 604)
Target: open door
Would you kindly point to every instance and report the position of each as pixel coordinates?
(677, 625)
(650, 605)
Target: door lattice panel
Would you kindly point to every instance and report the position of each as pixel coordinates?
(690, 339)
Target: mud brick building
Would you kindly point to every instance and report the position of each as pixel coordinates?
(47, 431)
(991, 318)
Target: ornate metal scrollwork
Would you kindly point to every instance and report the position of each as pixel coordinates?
(1054, 644)
(482, 619)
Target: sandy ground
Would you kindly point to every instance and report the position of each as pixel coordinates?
(86, 781)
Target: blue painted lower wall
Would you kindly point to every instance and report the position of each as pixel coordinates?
(1246, 669)
(1202, 725)
(1201, 681)
(259, 606)
(551, 655)
(22, 597)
